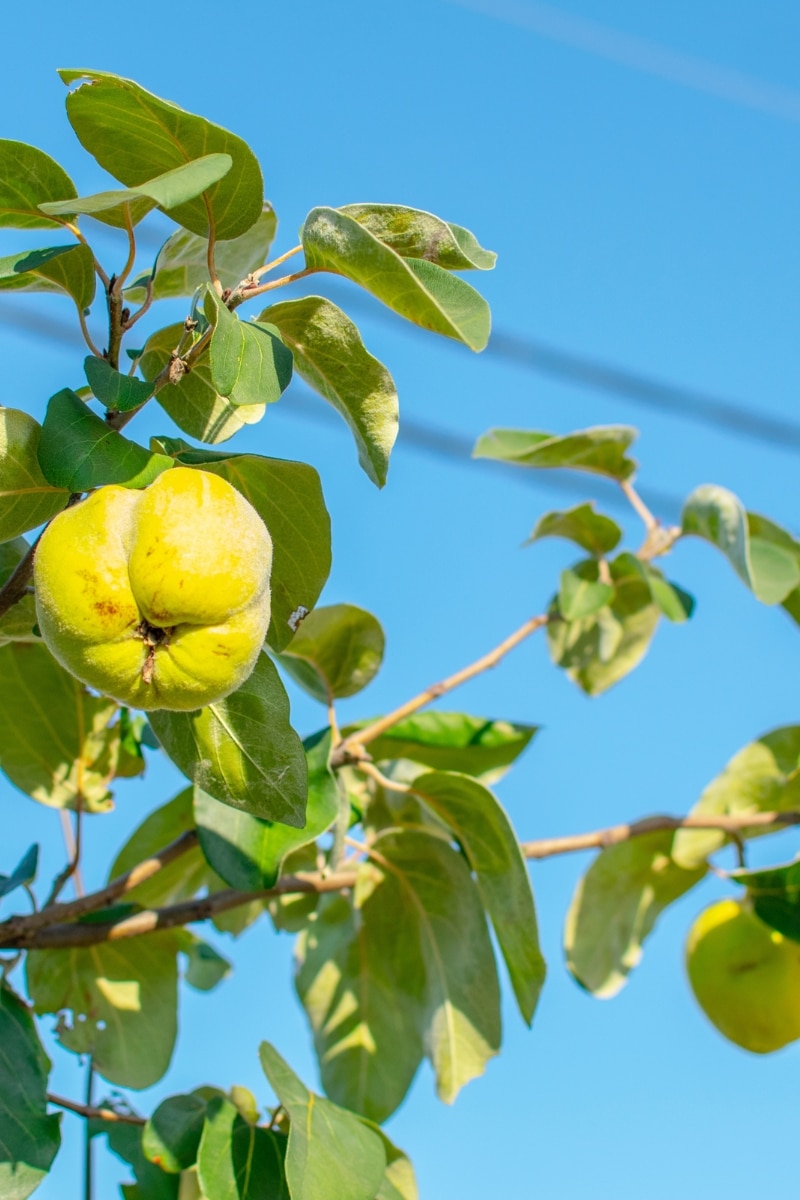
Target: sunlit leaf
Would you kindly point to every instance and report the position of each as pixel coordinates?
(595, 532)
(600, 450)
(28, 178)
(414, 233)
(65, 269)
(237, 1160)
(336, 652)
(249, 362)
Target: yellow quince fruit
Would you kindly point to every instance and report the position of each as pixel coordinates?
(158, 598)
(745, 977)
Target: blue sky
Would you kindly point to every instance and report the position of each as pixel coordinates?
(637, 220)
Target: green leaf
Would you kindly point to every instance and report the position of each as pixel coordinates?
(237, 1160)
(599, 650)
(414, 233)
(775, 896)
(616, 905)
(57, 743)
(674, 603)
(18, 623)
(774, 560)
(181, 266)
(420, 291)
(242, 750)
(67, 269)
(194, 403)
(123, 999)
(249, 362)
(600, 450)
(330, 1152)
(180, 879)
(581, 597)
(166, 191)
(171, 1137)
(135, 135)
(763, 777)
(118, 392)
(78, 451)
(24, 872)
(28, 178)
(336, 652)
(487, 836)
(27, 499)
(205, 967)
(330, 355)
(125, 1141)
(288, 498)
(399, 1182)
(454, 742)
(247, 852)
(29, 1138)
(428, 885)
(361, 979)
(595, 532)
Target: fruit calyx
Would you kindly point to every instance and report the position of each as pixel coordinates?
(153, 636)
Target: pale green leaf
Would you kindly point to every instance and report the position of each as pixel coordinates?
(414, 233)
(579, 597)
(17, 624)
(171, 1137)
(600, 450)
(595, 532)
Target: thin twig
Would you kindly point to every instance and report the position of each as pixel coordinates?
(88, 1180)
(87, 337)
(16, 586)
(73, 845)
(118, 420)
(638, 504)
(659, 539)
(119, 282)
(250, 293)
(148, 300)
(101, 274)
(350, 750)
(212, 266)
(391, 785)
(91, 1113)
(276, 262)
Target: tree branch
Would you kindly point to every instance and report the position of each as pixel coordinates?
(351, 749)
(16, 586)
(91, 1113)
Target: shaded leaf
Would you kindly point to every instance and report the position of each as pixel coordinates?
(413, 233)
(242, 750)
(28, 178)
(57, 743)
(67, 269)
(249, 362)
(336, 652)
(125, 1141)
(27, 499)
(399, 1182)
(763, 777)
(171, 1137)
(775, 896)
(595, 532)
(205, 967)
(600, 450)
(487, 836)
(135, 135)
(418, 290)
(118, 392)
(194, 404)
(17, 624)
(616, 905)
(330, 1152)
(29, 1138)
(454, 742)
(79, 451)
(330, 355)
(121, 999)
(676, 604)
(237, 1160)
(24, 872)
(248, 852)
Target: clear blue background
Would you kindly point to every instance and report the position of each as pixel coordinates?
(639, 221)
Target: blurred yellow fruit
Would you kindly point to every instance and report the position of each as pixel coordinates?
(158, 598)
(745, 977)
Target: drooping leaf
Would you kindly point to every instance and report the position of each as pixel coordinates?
(194, 403)
(330, 1152)
(595, 532)
(579, 597)
(487, 837)
(288, 498)
(250, 364)
(336, 652)
(763, 777)
(135, 136)
(242, 750)
(239, 1161)
(616, 905)
(28, 178)
(181, 266)
(68, 269)
(774, 561)
(166, 191)
(118, 392)
(79, 451)
(444, 741)
(775, 896)
(29, 1138)
(24, 872)
(414, 233)
(122, 1000)
(180, 879)
(424, 879)
(600, 450)
(361, 979)
(418, 290)
(57, 742)
(27, 499)
(205, 966)
(248, 852)
(18, 623)
(171, 1137)
(330, 355)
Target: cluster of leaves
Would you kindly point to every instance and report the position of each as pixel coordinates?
(381, 847)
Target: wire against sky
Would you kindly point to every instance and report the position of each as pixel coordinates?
(641, 54)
